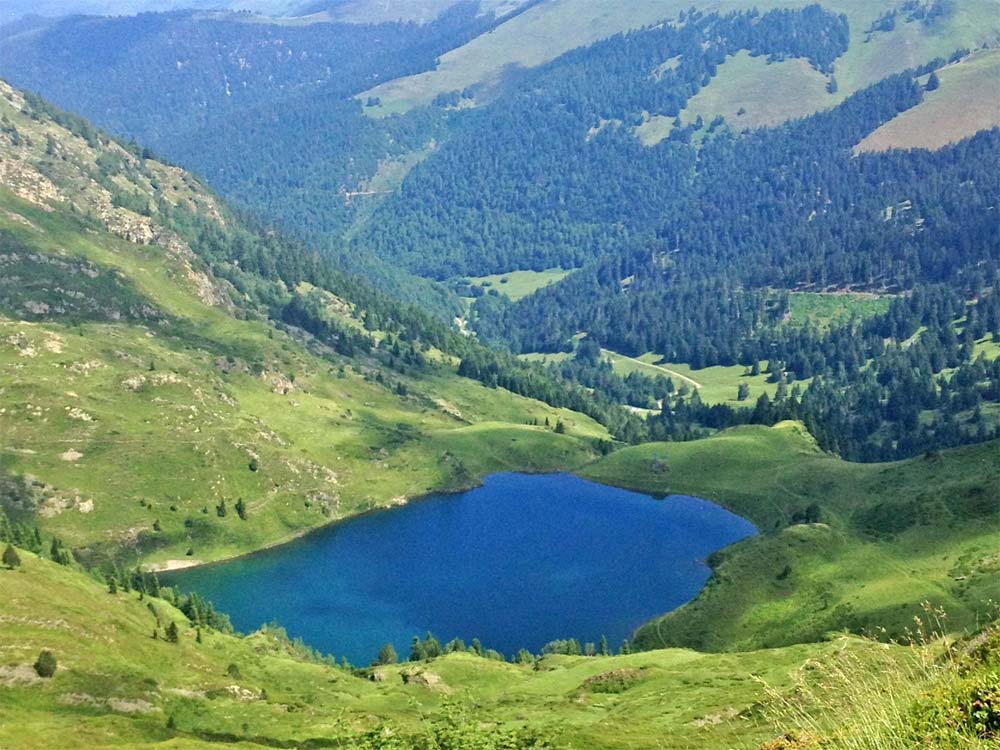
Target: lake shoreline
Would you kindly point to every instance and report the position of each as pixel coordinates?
(176, 565)
(514, 561)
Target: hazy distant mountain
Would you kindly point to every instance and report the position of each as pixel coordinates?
(14, 9)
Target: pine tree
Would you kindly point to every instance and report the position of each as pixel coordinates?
(112, 585)
(417, 650)
(933, 83)
(172, 634)
(603, 649)
(10, 557)
(387, 655)
(432, 647)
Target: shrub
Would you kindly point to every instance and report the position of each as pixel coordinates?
(969, 709)
(45, 666)
(10, 557)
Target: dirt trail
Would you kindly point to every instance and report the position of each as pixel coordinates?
(667, 370)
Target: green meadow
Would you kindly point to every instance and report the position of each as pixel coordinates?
(141, 430)
(869, 560)
(517, 285)
(825, 310)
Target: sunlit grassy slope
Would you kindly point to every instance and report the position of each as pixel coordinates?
(967, 101)
(880, 538)
(117, 686)
(823, 310)
(517, 285)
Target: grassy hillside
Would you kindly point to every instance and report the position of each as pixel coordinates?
(142, 397)
(844, 545)
(117, 686)
(967, 101)
(552, 28)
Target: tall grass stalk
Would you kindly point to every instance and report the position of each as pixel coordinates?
(862, 697)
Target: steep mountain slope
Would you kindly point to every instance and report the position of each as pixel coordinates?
(202, 88)
(143, 393)
(297, 148)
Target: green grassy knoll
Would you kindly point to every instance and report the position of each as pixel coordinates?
(117, 686)
(965, 103)
(824, 310)
(843, 546)
(653, 129)
(517, 285)
(988, 346)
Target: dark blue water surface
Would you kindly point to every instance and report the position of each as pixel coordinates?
(520, 561)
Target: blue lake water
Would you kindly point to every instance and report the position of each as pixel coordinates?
(520, 561)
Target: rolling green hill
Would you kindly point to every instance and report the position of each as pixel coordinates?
(856, 546)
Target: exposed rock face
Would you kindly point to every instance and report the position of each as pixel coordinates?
(44, 164)
(425, 679)
(28, 183)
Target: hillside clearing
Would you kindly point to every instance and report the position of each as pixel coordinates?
(967, 101)
(751, 93)
(826, 309)
(517, 285)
